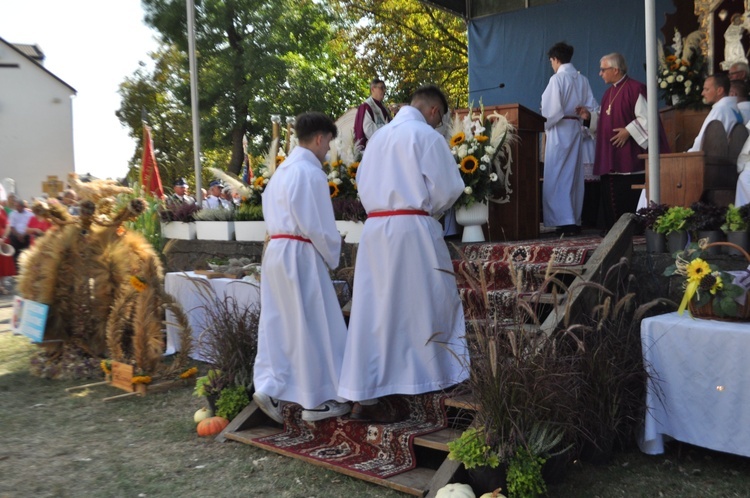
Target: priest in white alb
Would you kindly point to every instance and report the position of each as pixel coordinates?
(301, 334)
(406, 330)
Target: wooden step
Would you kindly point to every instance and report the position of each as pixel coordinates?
(438, 440)
(463, 401)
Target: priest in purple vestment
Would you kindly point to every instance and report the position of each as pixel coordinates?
(371, 115)
(621, 134)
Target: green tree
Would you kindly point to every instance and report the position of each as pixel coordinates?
(255, 58)
(408, 43)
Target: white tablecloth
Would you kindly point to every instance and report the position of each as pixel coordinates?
(699, 390)
(189, 290)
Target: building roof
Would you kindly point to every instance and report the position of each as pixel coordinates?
(35, 55)
(30, 51)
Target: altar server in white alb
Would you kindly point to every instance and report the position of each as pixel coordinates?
(407, 325)
(723, 107)
(302, 332)
(563, 188)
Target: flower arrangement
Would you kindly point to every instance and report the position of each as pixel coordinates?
(481, 146)
(706, 284)
(681, 74)
(341, 169)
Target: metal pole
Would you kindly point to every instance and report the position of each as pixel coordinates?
(194, 99)
(653, 99)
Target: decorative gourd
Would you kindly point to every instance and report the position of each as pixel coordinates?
(455, 490)
(493, 494)
(202, 414)
(212, 426)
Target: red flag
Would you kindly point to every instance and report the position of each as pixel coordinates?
(150, 178)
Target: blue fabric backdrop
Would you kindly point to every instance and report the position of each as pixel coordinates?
(512, 48)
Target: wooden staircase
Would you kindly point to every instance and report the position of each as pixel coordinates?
(434, 470)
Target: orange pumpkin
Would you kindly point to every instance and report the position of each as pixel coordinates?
(212, 426)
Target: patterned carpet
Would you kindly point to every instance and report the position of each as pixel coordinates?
(378, 450)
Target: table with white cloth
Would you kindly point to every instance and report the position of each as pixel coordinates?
(194, 292)
(699, 383)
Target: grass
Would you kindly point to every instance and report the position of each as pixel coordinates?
(59, 444)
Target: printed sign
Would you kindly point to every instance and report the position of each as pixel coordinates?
(122, 376)
(29, 318)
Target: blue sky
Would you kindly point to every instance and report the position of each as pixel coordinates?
(92, 45)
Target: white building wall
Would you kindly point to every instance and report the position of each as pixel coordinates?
(36, 124)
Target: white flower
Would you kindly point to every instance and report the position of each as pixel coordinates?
(683, 69)
(663, 84)
(493, 177)
(680, 78)
(665, 73)
(688, 83)
(463, 149)
(485, 158)
(471, 150)
(333, 174)
(337, 181)
(489, 150)
(670, 79)
(687, 89)
(468, 190)
(482, 167)
(478, 128)
(266, 174)
(458, 166)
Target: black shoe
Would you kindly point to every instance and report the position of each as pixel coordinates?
(568, 230)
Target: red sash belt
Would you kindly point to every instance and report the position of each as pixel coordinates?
(293, 237)
(398, 212)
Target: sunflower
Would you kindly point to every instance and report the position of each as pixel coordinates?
(106, 366)
(138, 283)
(334, 189)
(352, 170)
(718, 285)
(697, 269)
(259, 182)
(141, 379)
(481, 138)
(337, 164)
(458, 139)
(280, 159)
(189, 373)
(469, 164)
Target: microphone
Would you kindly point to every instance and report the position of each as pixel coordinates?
(501, 85)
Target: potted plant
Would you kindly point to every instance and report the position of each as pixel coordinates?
(673, 224)
(706, 223)
(248, 223)
(178, 219)
(655, 242)
(210, 386)
(215, 224)
(479, 459)
(735, 226)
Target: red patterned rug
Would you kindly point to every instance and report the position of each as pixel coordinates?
(378, 450)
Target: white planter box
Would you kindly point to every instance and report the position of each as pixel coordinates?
(215, 230)
(178, 230)
(352, 229)
(250, 231)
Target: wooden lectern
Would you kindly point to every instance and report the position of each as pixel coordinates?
(518, 219)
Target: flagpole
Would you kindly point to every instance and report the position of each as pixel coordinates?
(194, 99)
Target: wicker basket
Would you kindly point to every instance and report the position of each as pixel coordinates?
(707, 310)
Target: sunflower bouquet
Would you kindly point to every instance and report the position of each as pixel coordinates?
(341, 168)
(709, 291)
(481, 146)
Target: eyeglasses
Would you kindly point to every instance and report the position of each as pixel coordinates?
(603, 69)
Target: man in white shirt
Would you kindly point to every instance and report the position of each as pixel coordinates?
(214, 199)
(18, 222)
(738, 89)
(301, 334)
(724, 108)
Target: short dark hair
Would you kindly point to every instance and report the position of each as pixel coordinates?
(561, 51)
(376, 81)
(309, 124)
(740, 88)
(721, 80)
(431, 93)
